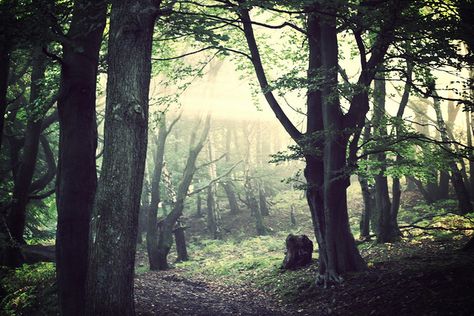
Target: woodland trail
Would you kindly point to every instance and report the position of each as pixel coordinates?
(169, 293)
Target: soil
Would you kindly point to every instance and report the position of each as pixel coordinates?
(423, 278)
(169, 293)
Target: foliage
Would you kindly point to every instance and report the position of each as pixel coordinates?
(30, 290)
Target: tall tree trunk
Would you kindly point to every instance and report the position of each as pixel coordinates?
(385, 232)
(396, 191)
(337, 250)
(367, 196)
(76, 178)
(213, 216)
(228, 185)
(16, 219)
(464, 200)
(152, 225)
(117, 202)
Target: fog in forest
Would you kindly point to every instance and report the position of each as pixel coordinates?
(226, 157)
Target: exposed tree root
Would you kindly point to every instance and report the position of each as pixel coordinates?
(328, 279)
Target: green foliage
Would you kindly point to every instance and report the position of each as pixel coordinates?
(41, 220)
(30, 290)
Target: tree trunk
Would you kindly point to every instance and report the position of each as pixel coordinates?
(16, 219)
(471, 153)
(385, 232)
(4, 74)
(76, 178)
(369, 203)
(367, 196)
(262, 200)
(254, 206)
(117, 202)
(165, 227)
(337, 249)
(213, 216)
(292, 215)
(443, 187)
(229, 191)
(198, 205)
(213, 225)
(152, 225)
(464, 200)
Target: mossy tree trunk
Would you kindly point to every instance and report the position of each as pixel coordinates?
(117, 202)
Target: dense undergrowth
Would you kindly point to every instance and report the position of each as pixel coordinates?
(29, 290)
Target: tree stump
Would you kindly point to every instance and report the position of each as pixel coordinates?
(299, 251)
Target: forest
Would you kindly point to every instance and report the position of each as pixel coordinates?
(236, 157)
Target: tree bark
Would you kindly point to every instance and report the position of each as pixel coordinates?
(117, 202)
(231, 196)
(76, 178)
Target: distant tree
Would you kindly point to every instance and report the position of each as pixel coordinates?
(166, 226)
(152, 224)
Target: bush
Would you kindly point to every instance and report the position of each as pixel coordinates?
(30, 290)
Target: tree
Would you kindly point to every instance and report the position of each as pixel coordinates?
(117, 201)
(328, 129)
(213, 216)
(16, 218)
(76, 178)
(152, 224)
(166, 226)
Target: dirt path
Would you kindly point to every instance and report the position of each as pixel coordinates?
(169, 293)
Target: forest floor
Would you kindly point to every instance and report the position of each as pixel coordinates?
(428, 277)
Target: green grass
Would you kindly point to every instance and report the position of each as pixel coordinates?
(255, 261)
